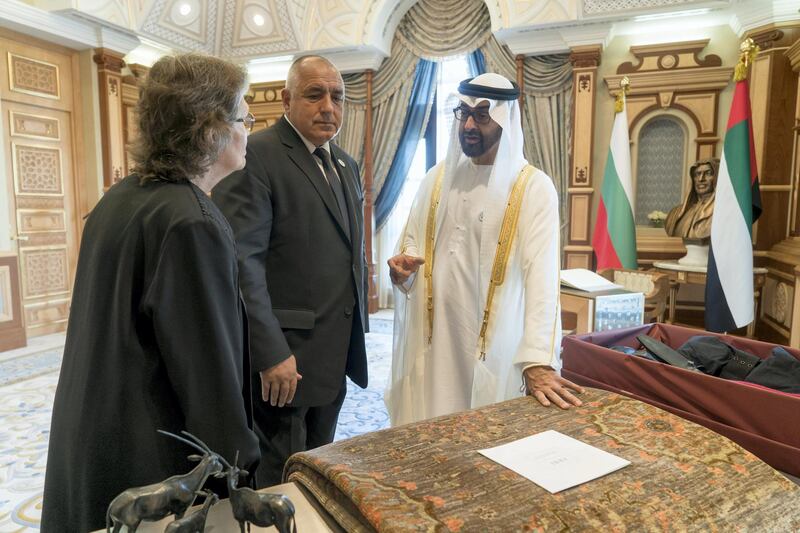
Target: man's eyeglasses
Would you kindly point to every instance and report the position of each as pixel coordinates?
(248, 120)
(480, 115)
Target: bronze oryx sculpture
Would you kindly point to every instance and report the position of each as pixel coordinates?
(259, 508)
(195, 522)
(172, 496)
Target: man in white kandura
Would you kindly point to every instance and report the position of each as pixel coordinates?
(483, 323)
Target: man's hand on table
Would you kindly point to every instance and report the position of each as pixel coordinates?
(544, 384)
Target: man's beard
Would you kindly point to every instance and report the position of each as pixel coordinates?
(479, 148)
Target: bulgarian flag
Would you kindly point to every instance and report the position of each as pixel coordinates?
(614, 239)
(729, 284)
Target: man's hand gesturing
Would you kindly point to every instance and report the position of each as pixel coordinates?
(402, 266)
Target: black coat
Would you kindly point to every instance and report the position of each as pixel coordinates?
(155, 341)
(304, 280)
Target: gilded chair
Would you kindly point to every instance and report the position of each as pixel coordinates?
(654, 286)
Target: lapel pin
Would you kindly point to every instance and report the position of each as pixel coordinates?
(340, 162)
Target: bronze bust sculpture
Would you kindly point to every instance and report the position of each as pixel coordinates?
(692, 219)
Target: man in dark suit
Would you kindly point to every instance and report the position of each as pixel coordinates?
(296, 210)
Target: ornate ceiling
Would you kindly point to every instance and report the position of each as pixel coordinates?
(244, 29)
(358, 32)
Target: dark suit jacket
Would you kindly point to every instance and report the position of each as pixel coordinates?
(304, 280)
(155, 341)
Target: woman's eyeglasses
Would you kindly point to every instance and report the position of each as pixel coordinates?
(248, 120)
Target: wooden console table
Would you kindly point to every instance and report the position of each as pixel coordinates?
(696, 275)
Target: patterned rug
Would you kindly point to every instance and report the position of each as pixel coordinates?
(25, 410)
(27, 388)
(25, 367)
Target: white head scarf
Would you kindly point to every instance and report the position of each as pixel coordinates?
(505, 112)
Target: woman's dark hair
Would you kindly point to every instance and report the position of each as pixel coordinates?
(186, 105)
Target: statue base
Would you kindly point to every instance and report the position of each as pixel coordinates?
(696, 254)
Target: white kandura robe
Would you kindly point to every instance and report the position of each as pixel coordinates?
(525, 326)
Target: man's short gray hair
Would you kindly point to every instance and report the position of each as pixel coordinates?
(294, 70)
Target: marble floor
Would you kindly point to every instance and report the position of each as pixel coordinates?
(28, 379)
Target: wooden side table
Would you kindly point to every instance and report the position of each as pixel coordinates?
(696, 275)
(12, 324)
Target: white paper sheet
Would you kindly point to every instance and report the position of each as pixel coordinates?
(555, 461)
(586, 280)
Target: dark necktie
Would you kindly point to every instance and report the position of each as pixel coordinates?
(335, 184)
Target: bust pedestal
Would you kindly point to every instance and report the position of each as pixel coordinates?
(696, 253)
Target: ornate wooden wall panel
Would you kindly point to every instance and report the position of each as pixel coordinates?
(109, 71)
(130, 96)
(130, 127)
(776, 306)
(772, 96)
(777, 134)
(38, 109)
(577, 249)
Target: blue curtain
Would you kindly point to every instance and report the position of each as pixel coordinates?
(421, 95)
(477, 64)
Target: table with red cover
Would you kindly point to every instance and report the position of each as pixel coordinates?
(761, 420)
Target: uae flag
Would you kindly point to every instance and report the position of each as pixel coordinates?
(614, 239)
(729, 286)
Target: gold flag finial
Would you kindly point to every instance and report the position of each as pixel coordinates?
(624, 87)
(747, 53)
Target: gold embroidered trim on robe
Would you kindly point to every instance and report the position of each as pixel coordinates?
(504, 242)
(430, 234)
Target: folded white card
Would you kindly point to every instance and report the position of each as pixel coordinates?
(555, 461)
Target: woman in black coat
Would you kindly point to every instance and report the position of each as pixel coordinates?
(156, 329)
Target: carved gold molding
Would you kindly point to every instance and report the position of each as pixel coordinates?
(585, 56)
(776, 35)
(108, 60)
(671, 56)
(700, 79)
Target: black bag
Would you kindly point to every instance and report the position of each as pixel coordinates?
(779, 371)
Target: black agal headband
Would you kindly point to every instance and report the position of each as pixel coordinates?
(493, 93)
